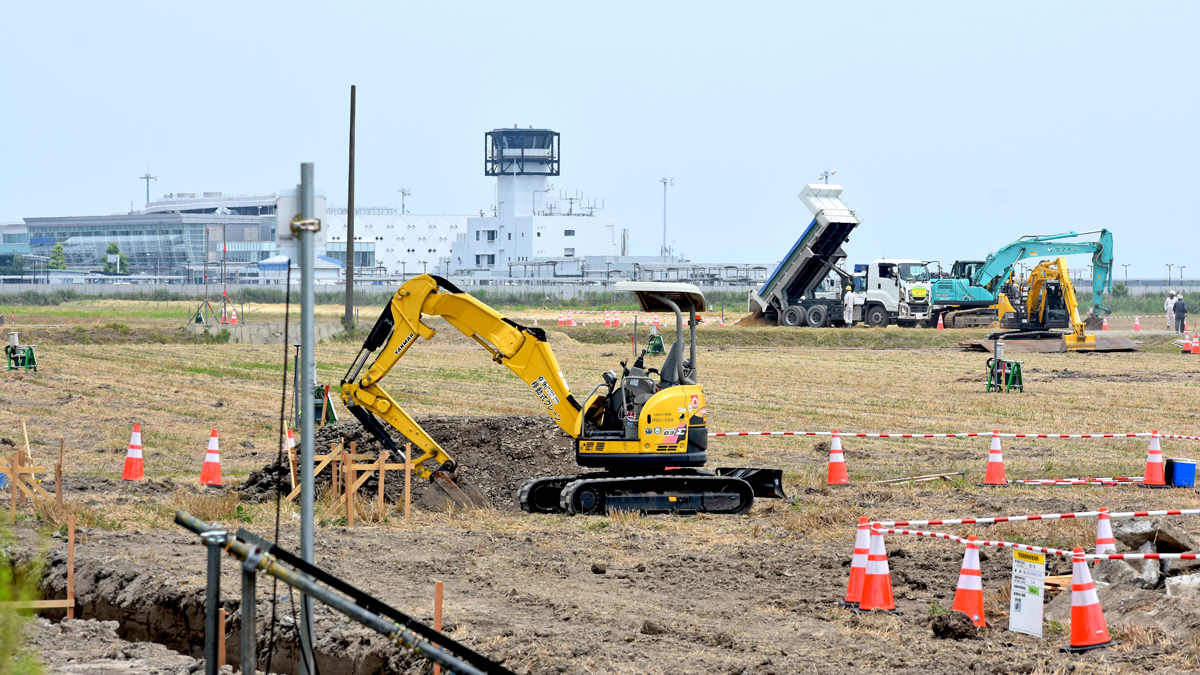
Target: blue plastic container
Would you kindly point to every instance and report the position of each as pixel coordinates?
(1180, 472)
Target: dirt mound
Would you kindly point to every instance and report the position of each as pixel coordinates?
(754, 318)
(495, 455)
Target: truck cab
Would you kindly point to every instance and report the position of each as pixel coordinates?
(897, 291)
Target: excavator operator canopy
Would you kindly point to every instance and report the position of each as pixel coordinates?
(680, 293)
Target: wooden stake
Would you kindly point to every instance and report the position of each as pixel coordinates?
(348, 470)
(28, 452)
(437, 616)
(71, 565)
(324, 404)
(407, 479)
(221, 640)
(20, 462)
(382, 476)
(335, 471)
(292, 465)
(58, 473)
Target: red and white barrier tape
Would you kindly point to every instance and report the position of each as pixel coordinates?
(1041, 549)
(1132, 480)
(974, 434)
(1041, 516)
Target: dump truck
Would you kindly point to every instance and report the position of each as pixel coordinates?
(807, 288)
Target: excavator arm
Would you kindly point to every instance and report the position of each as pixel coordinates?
(1037, 302)
(521, 349)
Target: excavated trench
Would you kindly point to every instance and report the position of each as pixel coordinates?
(150, 604)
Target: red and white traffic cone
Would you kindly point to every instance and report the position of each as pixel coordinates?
(858, 564)
(1196, 342)
(607, 320)
(210, 473)
(616, 319)
(1088, 628)
(656, 322)
(134, 466)
(877, 584)
(837, 462)
(1104, 326)
(291, 440)
(1153, 476)
(1105, 543)
(941, 326)
(995, 465)
(233, 311)
(560, 319)
(1137, 325)
(968, 598)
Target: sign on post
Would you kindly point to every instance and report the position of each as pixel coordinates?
(1028, 593)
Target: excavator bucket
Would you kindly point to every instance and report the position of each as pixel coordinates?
(767, 483)
(1092, 323)
(1073, 343)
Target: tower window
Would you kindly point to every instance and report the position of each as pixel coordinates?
(568, 233)
(568, 252)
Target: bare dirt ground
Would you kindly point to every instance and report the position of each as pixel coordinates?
(693, 594)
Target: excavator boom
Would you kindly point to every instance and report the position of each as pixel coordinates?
(522, 349)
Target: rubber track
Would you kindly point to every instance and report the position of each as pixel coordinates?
(568, 492)
(527, 487)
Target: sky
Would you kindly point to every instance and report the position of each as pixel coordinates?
(954, 127)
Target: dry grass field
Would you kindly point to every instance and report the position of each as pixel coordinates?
(781, 566)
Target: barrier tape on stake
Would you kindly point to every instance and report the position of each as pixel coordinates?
(1041, 549)
(1036, 516)
(974, 434)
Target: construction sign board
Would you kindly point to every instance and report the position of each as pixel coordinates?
(1028, 593)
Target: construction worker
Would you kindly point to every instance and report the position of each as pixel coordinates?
(848, 307)
(1180, 309)
(1169, 309)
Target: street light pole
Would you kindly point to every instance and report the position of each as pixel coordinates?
(665, 181)
(1169, 266)
(1126, 266)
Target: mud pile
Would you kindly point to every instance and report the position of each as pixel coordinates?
(495, 455)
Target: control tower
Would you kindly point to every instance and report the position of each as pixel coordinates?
(521, 160)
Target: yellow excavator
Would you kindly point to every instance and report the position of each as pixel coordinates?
(1045, 301)
(646, 429)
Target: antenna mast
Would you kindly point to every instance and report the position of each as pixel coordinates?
(147, 178)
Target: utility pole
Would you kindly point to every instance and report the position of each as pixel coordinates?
(665, 181)
(306, 231)
(1169, 266)
(348, 320)
(147, 178)
(1126, 266)
(404, 192)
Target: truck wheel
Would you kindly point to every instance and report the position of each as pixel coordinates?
(877, 316)
(792, 316)
(817, 316)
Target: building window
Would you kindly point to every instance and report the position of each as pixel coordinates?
(568, 233)
(481, 259)
(569, 252)
(491, 235)
(476, 235)
(539, 234)
(510, 236)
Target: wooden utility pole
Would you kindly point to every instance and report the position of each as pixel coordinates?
(348, 321)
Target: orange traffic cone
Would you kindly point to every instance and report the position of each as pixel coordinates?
(1105, 543)
(837, 462)
(1137, 325)
(858, 564)
(995, 465)
(210, 474)
(224, 317)
(1088, 629)
(560, 319)
(535, 322)
(1153, 477)
(607, 320)
(1104, 326)
(656, 321)
(233, 310)
(616, 320)
(134, 468)
(941, 326)
(1196, 342)
(877, 583)
(968, 599)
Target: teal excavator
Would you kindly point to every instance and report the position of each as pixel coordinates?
(969, 295)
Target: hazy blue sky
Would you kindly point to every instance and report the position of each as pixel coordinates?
(954, 127)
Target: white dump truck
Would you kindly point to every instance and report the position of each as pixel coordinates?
(808, 287)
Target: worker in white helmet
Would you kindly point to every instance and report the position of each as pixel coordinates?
(848, 307)
(1169, 309)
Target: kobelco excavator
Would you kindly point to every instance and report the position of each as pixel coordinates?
(647, 429)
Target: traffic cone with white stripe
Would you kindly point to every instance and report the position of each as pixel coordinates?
(837, 462)
(1137, 325)
(560, 319)
(1196, 342)
(210, 474)
(535, 322)
(233, 312)
(1104, 326)
(1153, 476)
(1088, 628)
(877, 583)
(968, 598)
(134, 467)
(858, 564)
(995, 465)
(1105, 543)
(607, 320)
(941, 326)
